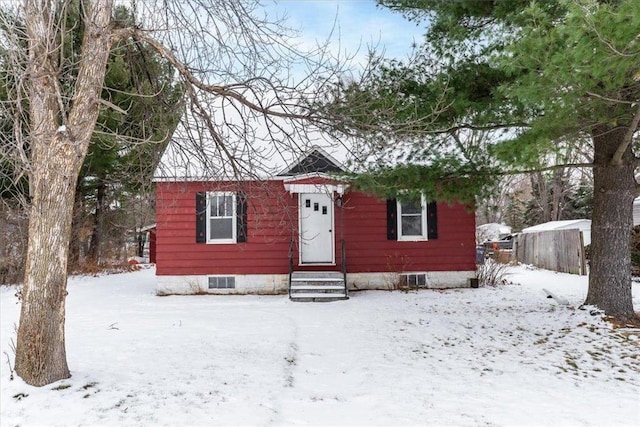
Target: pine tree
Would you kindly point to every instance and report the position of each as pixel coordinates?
(533, 76)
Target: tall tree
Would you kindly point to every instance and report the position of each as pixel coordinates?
(537, 74)
(219, 49)
(130, 139)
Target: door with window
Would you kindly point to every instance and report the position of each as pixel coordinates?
(316, 228)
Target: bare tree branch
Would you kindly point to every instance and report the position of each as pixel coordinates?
(628, 138)
(548, 168)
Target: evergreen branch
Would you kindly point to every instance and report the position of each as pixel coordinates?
(610, 45)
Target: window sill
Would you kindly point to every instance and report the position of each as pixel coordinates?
(412, 239)
(222, 242)
(317, 264)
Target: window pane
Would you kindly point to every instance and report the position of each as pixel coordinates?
(215, 205)
(222, 206)
(412, 225)
(221, 228)
(228, 205)
(411, 207)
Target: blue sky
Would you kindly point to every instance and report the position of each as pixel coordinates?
(359, 24)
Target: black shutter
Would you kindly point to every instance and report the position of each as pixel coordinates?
(241, 217)
(432, 220)
(201, 217)
(392, 219)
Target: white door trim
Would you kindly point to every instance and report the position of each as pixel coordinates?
(325, 253)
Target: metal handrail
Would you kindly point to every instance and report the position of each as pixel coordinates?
(290, 264)
(343, 265)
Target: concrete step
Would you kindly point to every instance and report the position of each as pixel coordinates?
(316, 279)
(317, 286)
(318, 297)
(325, 275)
(308, 287)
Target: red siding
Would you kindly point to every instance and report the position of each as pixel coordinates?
(273, 222)
(368, 250)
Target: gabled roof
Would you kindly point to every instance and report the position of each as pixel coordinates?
(247, 149)
(315, 160)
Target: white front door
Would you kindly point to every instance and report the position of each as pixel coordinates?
(316, 228)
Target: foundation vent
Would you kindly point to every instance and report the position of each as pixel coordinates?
(222, 282)
(414, 280)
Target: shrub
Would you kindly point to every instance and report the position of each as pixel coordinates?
(492, 273)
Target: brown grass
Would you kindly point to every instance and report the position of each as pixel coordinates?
(633, 322)
(107, 268)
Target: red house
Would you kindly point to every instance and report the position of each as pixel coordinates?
(304, 233)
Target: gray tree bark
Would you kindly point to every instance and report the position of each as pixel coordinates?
(612, 221)
(95, 246)
(57, 154)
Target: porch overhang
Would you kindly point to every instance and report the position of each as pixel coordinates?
(315, 188)
(314, 183)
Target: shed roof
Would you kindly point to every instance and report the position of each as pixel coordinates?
(570, 224)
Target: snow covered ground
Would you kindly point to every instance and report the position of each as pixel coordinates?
(503, 356)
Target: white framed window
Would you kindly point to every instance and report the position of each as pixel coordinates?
(412, 219)
(221, 217)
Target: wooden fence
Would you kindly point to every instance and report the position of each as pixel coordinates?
(558, 250)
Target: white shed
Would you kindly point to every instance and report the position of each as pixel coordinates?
(584, 225)
(636, 211)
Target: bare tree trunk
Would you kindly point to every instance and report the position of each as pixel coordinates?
(614, 191)
(538, 181)
(40, 354)
(141, 238)
(76, 228)
(57, 155)
(98, 225)
(557, 194)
